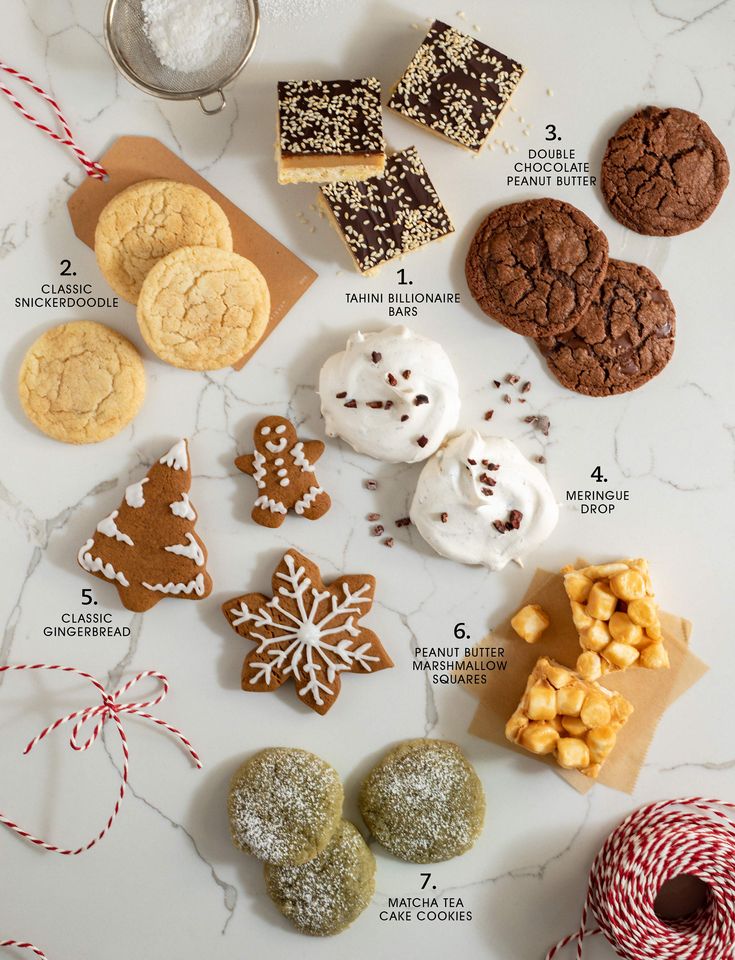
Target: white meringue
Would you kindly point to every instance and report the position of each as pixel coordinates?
(473, 496)
(392, 395)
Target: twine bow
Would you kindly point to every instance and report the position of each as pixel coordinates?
(109, 709)
(92, 168)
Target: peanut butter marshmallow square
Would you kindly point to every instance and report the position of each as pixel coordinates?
(615, 613)
(563, 715)
(456, 86)
(329, 130)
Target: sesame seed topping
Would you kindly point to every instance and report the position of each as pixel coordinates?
(330, 117)
(456, 85)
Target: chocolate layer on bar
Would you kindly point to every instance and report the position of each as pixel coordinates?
(456, 86)
(389, 215)
(330, 117)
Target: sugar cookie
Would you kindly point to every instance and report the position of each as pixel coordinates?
(202, 308)
(146, 222)
(81, 382)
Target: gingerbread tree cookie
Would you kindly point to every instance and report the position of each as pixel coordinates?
(148, 547)
(307, 631)
(282, 467)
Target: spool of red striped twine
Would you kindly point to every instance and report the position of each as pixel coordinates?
(692, 837)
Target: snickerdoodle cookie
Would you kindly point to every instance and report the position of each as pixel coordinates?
(148, 220)
(81, 382)
(202, 308)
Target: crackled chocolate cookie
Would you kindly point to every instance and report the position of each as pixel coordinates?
(664, 172)
(535, 266)
(423, 801)
(625, 338)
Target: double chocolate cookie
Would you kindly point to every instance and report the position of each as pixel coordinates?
(625, 338)
(536, 266)
(664, 172)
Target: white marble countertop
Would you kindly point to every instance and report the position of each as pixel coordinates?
(167, 882)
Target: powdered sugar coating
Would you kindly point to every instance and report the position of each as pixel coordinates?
(325, 895)
(284, 805)
(423, 801)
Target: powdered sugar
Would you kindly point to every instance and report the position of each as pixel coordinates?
(284, 805)
(423, 801)
(190, 35)
(324, 895)
(296, 9)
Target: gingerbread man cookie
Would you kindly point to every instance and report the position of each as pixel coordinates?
(307, 631)
(282, 467)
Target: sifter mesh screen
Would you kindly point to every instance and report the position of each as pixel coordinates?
(130, 45)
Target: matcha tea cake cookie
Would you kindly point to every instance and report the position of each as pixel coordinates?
(202, 308)
(327, 894)
(148, 220)
(284, 806)
(423, 801)
(81, 382)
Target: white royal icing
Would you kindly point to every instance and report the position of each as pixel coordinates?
(276, 446)
(450, 484)
(316, 650)
(308, 498)
(381, 433)
(109, 528)
(190, 550)
(281, 428)
(134, 494)
(259, 465)
(267, 503)
(300, 459)
(183, 508)
(177, 457)
(193, 586)
(98, 565)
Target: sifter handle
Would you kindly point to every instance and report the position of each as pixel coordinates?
(213, 111)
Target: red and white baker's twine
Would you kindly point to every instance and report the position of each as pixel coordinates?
(23, 945)
(92, 168)
(693, 836)
(112, 709)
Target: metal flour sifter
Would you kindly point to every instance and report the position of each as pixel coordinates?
(135, 58)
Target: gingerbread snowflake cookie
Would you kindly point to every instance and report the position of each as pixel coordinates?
(148, 548)
(307, 631)
(283, 468)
